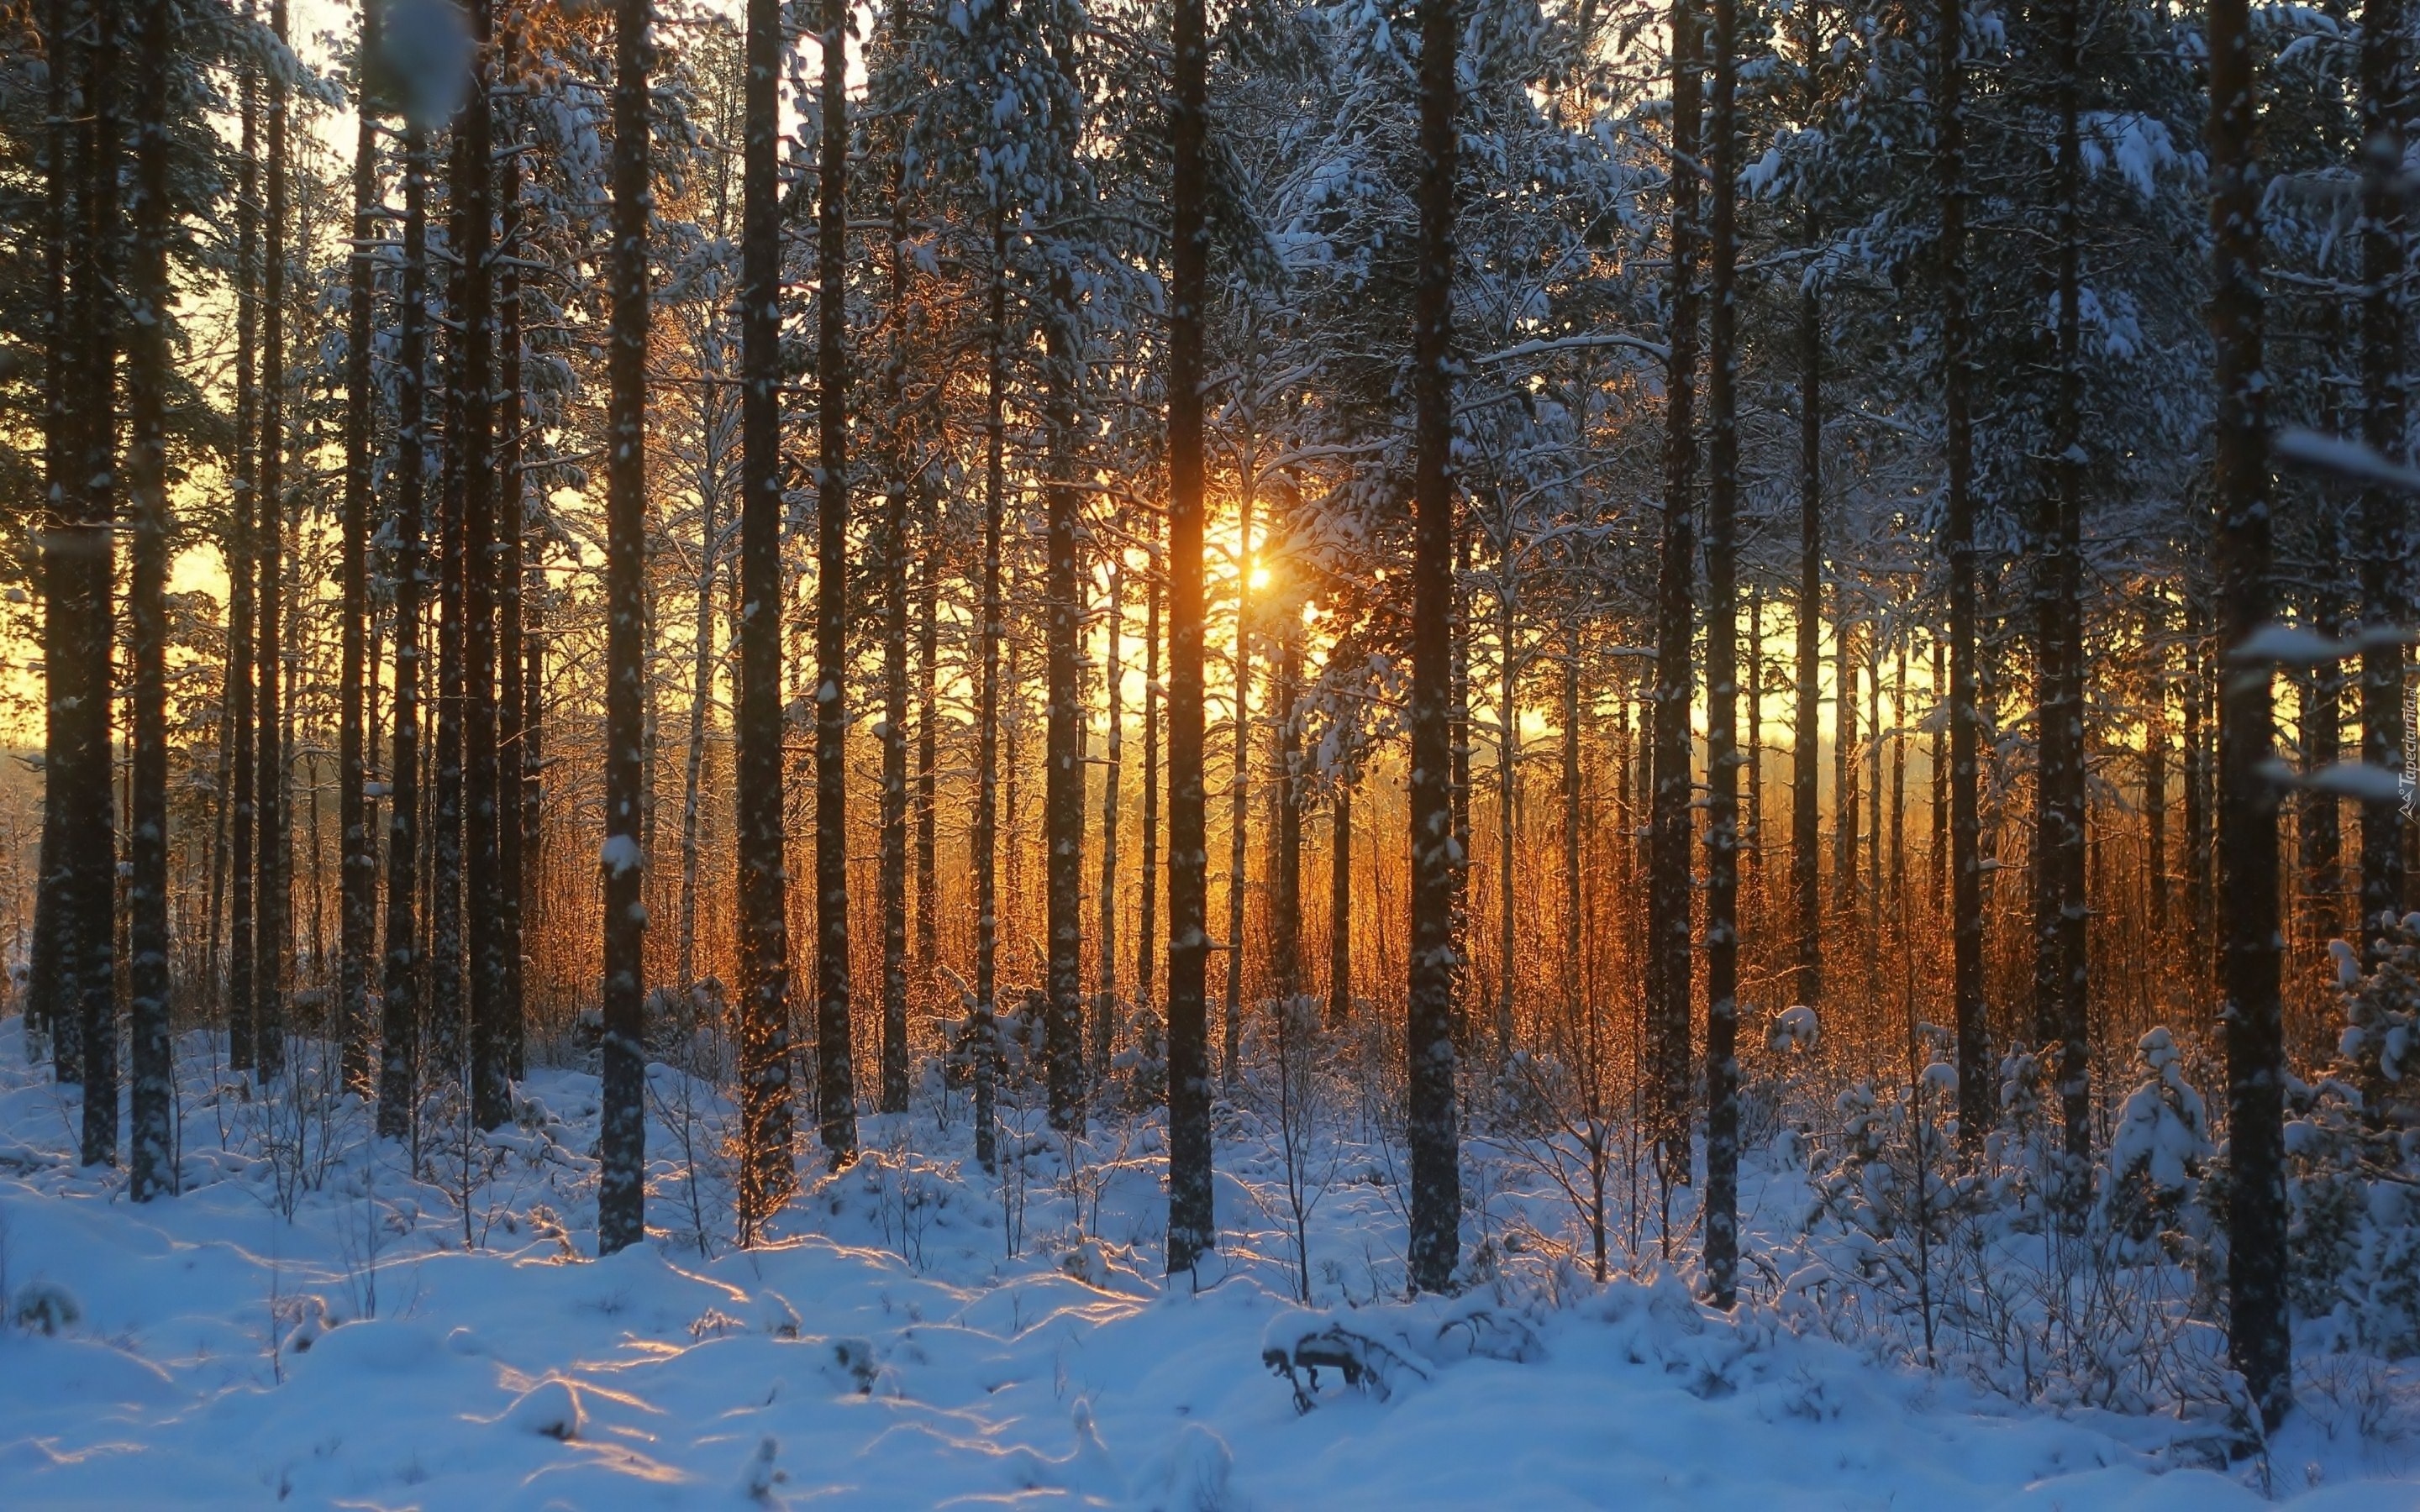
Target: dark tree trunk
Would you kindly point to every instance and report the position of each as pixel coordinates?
(1507, 793)
(1722, 677)
(984, 842)
(1240, 777)
(2385, 515)
(90, 827)
(154, 1168)
(766, 1175)
(512, 687)
(399, 1006)
(1458, 783)
(1062, 801)
(1147, 910)
(274, 923)
(1846, 810)
(2259, 1343)
(1806, 738)
(2155, 764)
(1432, 1122)
(1104, 998)
(2318, 823)
(52, 996)
(835, 1081)
(893, 884)
(2059, 848)
(242, 608)
(482, 883)
(1898, 894)
(1340, 902)
(1667, 899)
(1285, 875)
(621, 1193)
(358, 864)
(2198, 774)
(928, 733)
(1975, 1080)
(1190, 1219)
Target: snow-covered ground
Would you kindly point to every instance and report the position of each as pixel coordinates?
(885, 1349)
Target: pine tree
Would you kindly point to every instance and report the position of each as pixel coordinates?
(834, 1071)
(1722, 672)
(765, 1129)
(621, 1193)
(272, 933)
(1192, 1230)
(2257, 1338)
(2385, 519)
(1432, 1123)
(400, 1006)
(147, 378)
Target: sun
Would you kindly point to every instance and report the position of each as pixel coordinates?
(1260, 579)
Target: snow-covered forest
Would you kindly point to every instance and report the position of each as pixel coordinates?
(1313, 752)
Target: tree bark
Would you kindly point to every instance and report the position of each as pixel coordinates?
(1432, 1124)
(154, 1169)
(512, 687)
(986, 839)
(1191, 1217)
(2059, 848)
(356, 865)
(1807, 736)
(89, 822)
(835, 1080)
(2385, 513)
(1975, 1079)
(1669, 900)
(2257, 1339)
(399, 1006)
(273, 922)
(766, 1128)
(1062, 800)
(1285, 870)
(621, 1193)
(1105, 1000)
(1722, 677)
(893, 883)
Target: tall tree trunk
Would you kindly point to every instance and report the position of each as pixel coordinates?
(928, 731)
(1191, 1218)
(1432, 1122)
(1974, 1081)
(1806, 730)
(154, 1169)
(87, 812)
(893, 884)
(2058, 849)
(2318, 823)
(1285, 868)
(986, 839)
(1846, 811)
(1340, 900)
(1508, 796)
(2259, 1343)
(2155, 764)
(1240, 778)
(273, 932)
(1898, 894)
(1722, 677)
(1458, 783)
(442, 1023)
(512, 687)
(358, 873)
(2198, 774)
(1062, 801)
(1667, 900)
(2385, 515)
(766, 1131)
(1147, 910)
(400, 1005)
(621, 1193)
(1752, 827)
(700, 694)
(54, 997)
(835, 1081)
(482, 884)
(1105, 1000)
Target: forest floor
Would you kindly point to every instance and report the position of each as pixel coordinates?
(306, 1323)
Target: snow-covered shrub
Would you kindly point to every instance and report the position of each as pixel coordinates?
(2353, 1156)
(2151, 1190)
(1139, 1066)
(45, 1308)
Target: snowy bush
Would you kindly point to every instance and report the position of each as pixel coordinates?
(45, 1308)
(2151, 1190)
(2353, 1156)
